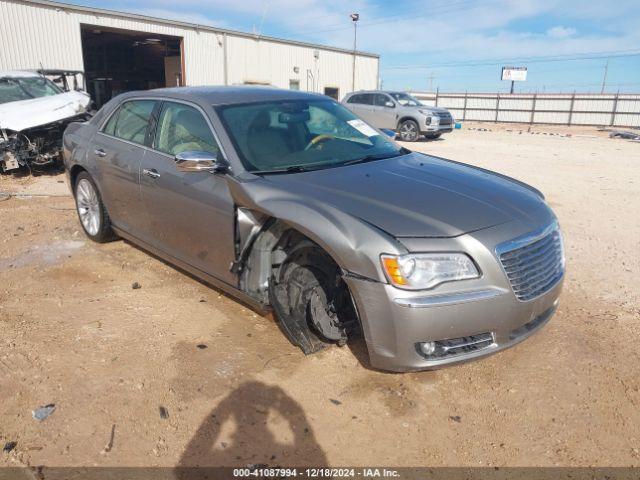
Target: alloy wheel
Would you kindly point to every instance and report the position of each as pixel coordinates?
(88, 206)
(408, 131)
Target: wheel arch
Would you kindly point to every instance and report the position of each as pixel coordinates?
(404, 119)
(73, 175)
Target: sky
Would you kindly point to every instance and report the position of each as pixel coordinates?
(453, 45)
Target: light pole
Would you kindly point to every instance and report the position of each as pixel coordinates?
(354, 18)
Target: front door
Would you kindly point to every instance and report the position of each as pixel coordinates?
(190, 215)
(385, 111)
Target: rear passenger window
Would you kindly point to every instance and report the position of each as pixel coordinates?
(182, 128)
(131, 121)
(366, 98)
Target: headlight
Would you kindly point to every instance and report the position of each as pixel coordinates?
(420, 271)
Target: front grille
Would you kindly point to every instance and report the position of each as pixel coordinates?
(445, 118)
(533, 264)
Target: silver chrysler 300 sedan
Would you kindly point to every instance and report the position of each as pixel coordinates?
(289, 201)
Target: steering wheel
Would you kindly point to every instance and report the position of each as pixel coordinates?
(316, 140)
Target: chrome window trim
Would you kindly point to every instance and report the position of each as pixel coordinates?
(163, 99)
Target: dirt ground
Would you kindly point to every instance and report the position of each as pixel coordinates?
(176, 373)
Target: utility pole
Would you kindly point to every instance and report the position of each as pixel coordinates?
(512, 84)
(604, 79)
(431, 82)
(354, 18)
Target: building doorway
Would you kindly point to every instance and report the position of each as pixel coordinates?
(332, 92)
(117, 61)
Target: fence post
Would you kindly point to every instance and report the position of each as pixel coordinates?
(437, 92)
(464, 107)
(497, 108)
(573, 99)
(614, 110)
(533, 108)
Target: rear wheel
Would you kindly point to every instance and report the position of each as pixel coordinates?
(91, 211)
(311, 300)
(409, 131)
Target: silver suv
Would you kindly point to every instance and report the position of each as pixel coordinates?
(400, 112)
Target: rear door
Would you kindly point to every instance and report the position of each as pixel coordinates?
(190, 215)
(118, 149)
(362, 105)
(366, 109)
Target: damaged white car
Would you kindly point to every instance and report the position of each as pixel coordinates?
(34, 113)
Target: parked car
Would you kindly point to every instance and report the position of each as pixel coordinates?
(33, 115)
(401, 112)
(289, 201)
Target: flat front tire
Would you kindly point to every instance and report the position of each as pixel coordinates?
(91, 211)
(409, 131)
(311, 301)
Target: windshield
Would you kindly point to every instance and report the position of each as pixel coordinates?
(13, 89)
(406, 100)
(300, 135)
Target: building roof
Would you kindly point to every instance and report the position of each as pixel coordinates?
(194, 26)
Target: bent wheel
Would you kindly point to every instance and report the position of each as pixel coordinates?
(310, 299)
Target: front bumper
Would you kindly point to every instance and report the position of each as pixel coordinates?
(396, 321)
(437, 128)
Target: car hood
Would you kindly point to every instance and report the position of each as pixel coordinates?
(35, 112)
(431, 108)
(419, 196)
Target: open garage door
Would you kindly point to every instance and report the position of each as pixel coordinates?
(117, 61)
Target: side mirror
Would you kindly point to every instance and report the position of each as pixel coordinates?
(196, 161)
(389, 104)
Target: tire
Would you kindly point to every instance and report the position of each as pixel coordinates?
(311, 301)
(409, 131)
(92, 213)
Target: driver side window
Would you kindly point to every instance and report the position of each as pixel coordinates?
(183, 128)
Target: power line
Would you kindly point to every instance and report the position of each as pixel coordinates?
(446, 8)
(537, 59)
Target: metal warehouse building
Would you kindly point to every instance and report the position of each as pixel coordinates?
(122, 51)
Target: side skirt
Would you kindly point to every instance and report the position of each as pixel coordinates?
(239, 295)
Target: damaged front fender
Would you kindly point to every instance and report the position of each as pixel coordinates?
(354, 244)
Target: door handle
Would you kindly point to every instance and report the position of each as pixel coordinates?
(153, 173)
(99, 152)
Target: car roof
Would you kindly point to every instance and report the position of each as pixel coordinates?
(227, 95)
(17, 74)
(375, 91)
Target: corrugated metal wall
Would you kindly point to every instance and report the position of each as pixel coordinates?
(34, 34)
(621, 110)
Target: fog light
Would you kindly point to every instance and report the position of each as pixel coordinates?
(428, 348)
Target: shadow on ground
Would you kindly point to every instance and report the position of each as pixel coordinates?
(256, 424)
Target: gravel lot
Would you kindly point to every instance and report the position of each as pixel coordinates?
(116, 360)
